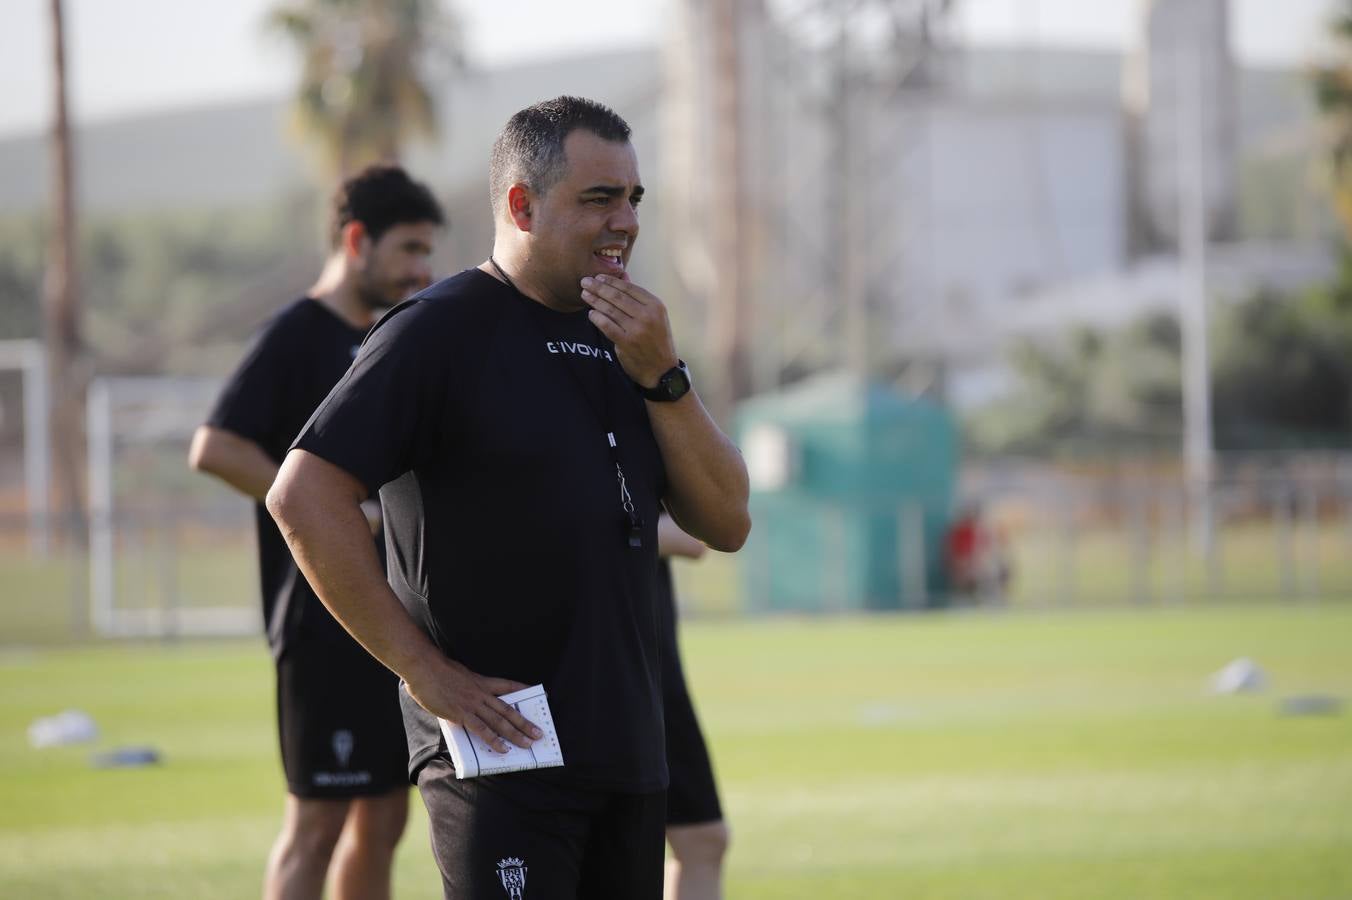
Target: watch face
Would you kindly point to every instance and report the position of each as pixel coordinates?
(676, 383)
(673, 385)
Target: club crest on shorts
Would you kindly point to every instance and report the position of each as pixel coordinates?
(512, 874)
(342, 746)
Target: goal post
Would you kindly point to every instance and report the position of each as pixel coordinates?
(29, 359)
(171, 551)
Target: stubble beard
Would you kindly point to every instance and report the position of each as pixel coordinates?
(376, 301)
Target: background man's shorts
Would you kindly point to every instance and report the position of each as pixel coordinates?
(338, 717)
(692, 798)
(519, 837)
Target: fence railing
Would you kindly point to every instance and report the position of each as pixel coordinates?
(182, 561)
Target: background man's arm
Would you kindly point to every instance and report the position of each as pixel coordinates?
(246, 467)
(236, 460)
(672, 541)
(316, 505)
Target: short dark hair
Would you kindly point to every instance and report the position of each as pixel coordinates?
(530, 147)
(379, 197)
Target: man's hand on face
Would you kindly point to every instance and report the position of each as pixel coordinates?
(636, 321)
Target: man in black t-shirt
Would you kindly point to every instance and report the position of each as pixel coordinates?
(339, 723)
(524, 421)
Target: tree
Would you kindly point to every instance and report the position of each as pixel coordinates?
(61, 306)
(1091, 391)
(1281, 379)
(1333, 93)
(364, 78)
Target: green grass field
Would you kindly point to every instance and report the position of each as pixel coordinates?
(1026, 755)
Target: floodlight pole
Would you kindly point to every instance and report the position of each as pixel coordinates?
(1198, 453)
(850, 255)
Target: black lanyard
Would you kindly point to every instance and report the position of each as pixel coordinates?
(602, 417)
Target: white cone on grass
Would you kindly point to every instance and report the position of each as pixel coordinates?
(62, 730)
(1241, 676)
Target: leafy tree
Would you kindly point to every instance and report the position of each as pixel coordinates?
(1089, 391)
(177, 291)
(1281, 378)
(366, 67)
(1333, 93)
(22, 261)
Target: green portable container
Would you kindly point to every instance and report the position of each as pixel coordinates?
(852, 487)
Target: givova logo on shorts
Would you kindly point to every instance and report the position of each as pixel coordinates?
(342, 747)
(512, 874)
(342, 744)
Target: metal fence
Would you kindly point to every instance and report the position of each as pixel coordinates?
(1279, 528)
(169, 553)
(1079, 536)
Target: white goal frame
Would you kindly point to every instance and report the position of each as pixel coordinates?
(29, 358)
(170, 618)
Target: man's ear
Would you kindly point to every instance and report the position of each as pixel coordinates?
(353, 239)
(519, 206)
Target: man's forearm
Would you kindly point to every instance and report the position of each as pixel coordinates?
(708, 487)
(331, 542)
(317, 507)
(237, 461)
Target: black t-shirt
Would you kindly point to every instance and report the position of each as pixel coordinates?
(292, 365)
(478, 413)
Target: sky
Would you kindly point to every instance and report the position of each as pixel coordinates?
(133, 56)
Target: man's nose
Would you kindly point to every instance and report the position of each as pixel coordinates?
(625, 220)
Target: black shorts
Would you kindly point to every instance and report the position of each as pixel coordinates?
(522, 837)
(338, 718)
(693, 795)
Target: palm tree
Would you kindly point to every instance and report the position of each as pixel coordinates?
(364, 79)
(1333, 92)
(61, 307)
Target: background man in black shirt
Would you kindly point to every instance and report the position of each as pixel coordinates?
(524, 421)
(339, 723)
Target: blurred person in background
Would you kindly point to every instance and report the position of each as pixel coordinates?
(696, 831)
(523, 422)
(976, 557)
(340, 728)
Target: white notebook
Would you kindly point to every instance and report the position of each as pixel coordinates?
(473, 757)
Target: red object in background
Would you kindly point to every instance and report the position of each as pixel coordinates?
(960, 552)
(974, 554)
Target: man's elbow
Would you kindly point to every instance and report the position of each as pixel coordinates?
(732, 535)
(281, 502)
(198, 455)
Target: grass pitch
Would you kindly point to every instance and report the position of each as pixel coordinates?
(1026, 755)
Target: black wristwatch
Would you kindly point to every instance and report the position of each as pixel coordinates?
(673, 385)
